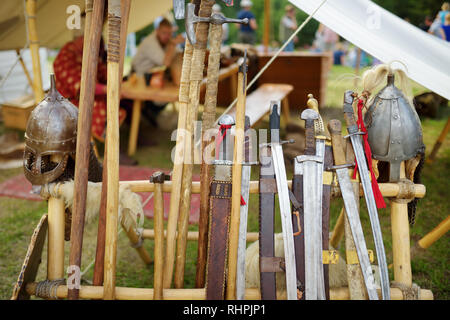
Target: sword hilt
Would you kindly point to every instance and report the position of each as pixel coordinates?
(274, 121)
(309, 116)
(349, 114)
(335, 129)
(247, 142)
(225, 122)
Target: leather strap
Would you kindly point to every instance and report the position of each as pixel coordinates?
(299, 240)
(219, 218)
(267, 185)
(326, 197)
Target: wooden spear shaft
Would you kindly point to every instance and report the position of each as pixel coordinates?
(100, 251)
(208, 118)
(195, 79)
(89, 69)
(112, 152)
(238, 158)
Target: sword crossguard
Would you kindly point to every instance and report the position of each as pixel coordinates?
(342, 166)
(354, 134)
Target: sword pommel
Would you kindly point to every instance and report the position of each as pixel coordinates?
(335, 128)
(309, 115)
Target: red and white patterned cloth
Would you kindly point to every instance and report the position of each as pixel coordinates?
(67, 69)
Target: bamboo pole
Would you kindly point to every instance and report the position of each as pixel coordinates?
(238, 157)
(112, 135)
(30, 7)
(123, 293)
(55, 255)
(195, 80)
(387, 189)
(89, 73)
(400, 238)
(177, 172)
(158, 275)
(435, 234)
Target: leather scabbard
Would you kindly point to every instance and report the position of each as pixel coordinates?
(299, 240)
(326, 196)
(219, 216)
(267, 187)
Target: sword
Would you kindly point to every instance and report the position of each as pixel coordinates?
(312, 163)
(351, 209)
(267, 192)
(286, 222)
(245, 187)
(219, 215)
(355, 138)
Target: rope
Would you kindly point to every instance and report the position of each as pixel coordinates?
(267, 65)
(47, 289)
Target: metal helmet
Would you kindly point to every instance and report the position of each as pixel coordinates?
(50, 137)
(394, 129)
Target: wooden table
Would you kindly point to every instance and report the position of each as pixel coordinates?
(137, 90)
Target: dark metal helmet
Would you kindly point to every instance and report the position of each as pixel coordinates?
(50, 137)
(394, 129)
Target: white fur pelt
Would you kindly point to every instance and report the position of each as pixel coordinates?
(130, 205)
(337, 272)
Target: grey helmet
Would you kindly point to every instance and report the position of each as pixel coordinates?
(394, 129)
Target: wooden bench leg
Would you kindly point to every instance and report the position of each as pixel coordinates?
(134, 129)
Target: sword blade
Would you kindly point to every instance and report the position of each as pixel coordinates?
(310, 225)
(240, 277)
(320, 151)
(373, 214)
(351, 210)
(286, 222)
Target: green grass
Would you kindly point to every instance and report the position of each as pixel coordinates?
(430, 270)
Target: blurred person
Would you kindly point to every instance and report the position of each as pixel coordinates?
(247, 32)
(436, 27)
(288, 25)
(445, 9)
(425, 26)
(339, 54)
(329, 38)
(156, 50)
(445, 29)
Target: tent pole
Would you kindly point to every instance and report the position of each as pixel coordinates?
(34, 50)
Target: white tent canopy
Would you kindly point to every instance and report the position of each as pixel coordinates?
(52, 17)
(388, 38)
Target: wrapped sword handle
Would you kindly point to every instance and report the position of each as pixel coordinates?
(335, 129)
(309, 115)
(349, 114)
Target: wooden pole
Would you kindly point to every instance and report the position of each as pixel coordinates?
(34, 50)
(208, 118)
(93, 292)
(435, 234)
(158, 275)
(195, 80)
(177, 172)
(87, 91)
(238, 158)
(387, 189)
(55, 254)
(439, 142)
(100, 251)
(400, 238)
(338, 231)
(112, 152)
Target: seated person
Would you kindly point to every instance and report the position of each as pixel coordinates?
(156, 50)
